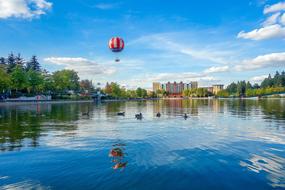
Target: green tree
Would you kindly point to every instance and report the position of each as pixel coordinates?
(248, 86)
(241, 88)
(116, 90)
(5, 81)
(65, 80)
(11, 62)
(223, 93)
(19, 60)
(202, 92)
(283, 78)
(2, 61)
(256, 86)
(19, 78)
(33, 64)
(131, 93)
(232, 88)
(277, 79)
(35, 81)
(48, 83)
(3, 64)
(141, 93)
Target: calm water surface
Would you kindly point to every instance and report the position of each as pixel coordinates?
(224, 144)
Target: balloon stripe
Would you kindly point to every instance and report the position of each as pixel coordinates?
(118, 43)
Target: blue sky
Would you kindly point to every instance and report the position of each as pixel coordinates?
(208, 41)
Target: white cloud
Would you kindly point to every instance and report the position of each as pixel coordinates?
(217, 69)
(42, 4)
(23, 8)
(85, 68)
(282, 19)
(106, 6)
(273, 19)
(258, 79)
(263, 61)
(272, 31)
(272, 27)
(162, 42)
(185, 77)
(274, 8)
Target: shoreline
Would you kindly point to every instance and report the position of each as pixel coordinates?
(45, 102)
(129, 100)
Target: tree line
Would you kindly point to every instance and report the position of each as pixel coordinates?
(20, 77)
(269, 85)
(116, 91)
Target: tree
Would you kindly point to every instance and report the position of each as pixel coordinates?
(48, 83)
(256, 86)
(131, 94)
(232, 88)
(241, 88)
(35, 81)
(5, 81)
(113, 89)
(283, 78)
(86, 85)
(18, 78)
(116, 90)
(248, 85)
(11, 62)
(65, 80)
(141, 93)
(2, 61)
(202, 92)
(33, 64)
(277, 79)
(19, 60)
(223, 93)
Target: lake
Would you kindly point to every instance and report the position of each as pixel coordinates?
(223, 144)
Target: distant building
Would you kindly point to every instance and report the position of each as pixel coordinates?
(174, 89)
(217, 88)
(156, 86)
(194, 84)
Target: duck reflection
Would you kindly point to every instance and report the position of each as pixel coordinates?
(118, 156)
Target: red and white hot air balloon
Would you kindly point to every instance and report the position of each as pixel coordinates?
(116, 45)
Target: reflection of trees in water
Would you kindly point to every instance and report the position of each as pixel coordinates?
(242, 108)
(23, 125)
(115, 107)
(272, 109)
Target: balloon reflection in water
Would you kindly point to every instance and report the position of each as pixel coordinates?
(118, 155)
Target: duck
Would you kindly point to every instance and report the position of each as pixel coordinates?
(121, 113)
(87, 113)
(158, 114)
(116, 152)
(139, 116)
(120, 165)
(185, 116)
